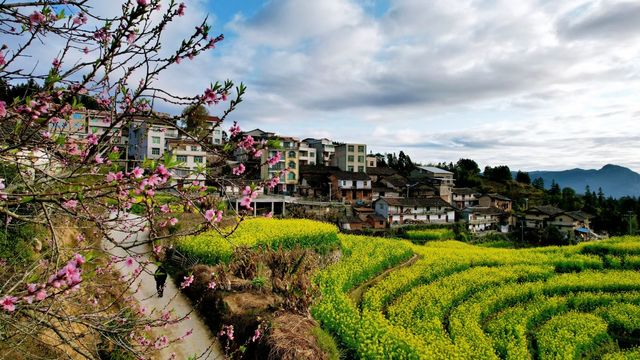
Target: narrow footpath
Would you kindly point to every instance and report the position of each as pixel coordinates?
(201, 344)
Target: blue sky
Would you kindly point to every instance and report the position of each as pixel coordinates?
(534, 84)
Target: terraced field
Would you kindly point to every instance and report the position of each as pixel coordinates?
(458, 301)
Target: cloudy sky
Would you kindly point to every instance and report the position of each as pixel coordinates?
(535, 84)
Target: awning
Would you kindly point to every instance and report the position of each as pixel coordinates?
(583, 230)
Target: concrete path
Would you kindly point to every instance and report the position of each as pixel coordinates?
(201, 344)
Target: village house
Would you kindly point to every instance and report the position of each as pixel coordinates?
(495, 200)
(324, 150)
(350, 187)
(464, 197)
(539, 217)
(192, 159)
(483, 218)
(351, 157)
(390, 186)
(441, 180)
(399, 211)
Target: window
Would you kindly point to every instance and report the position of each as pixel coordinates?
(217, 141)
(291, 176)
(292, 164)
(350, 158)
(361, 149)
(197, 159)
(181, 158)
(350, 148)
(77, 116)
(360, 158)
(217, 132)
(349, 168)
(366, 183)
(194, 148)
(344, 183)
(155, 139)
(155, 151)
(360, 168)
(292, 154)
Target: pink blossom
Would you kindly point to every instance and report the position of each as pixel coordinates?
(137, 172)
(142, 3)
(129, 261)
(274, 159)
(81, 19)
(257, 154)
(256, 335)
(269, 214)
(70, 204)
(173, 221)
(246, 203)
(210, 96)
(79, 259)
(161, 342)
(3, 61)
(98, 159)
(213, 215)
(187, 282)
(234, 130)
(36, 18)
(3, 109)
(211, 284)
(41, 295)
(157, 249)
(80, 238)
(31, 288)
(227, 331)
(181, 9)
(111, 177)
(46, 135)
(9, 303)
(238, 170)
(56, 63)
(92, 139)
(165, 209)
(131, 37)
(247, 143)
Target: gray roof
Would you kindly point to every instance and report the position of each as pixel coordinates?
(434, 170)
(463, 191)
(413, 202)
(485, 210)
(350, 175)
(545, 209)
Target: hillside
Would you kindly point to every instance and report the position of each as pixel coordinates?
(616, 181)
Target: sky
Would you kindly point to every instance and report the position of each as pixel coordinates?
(533, 84)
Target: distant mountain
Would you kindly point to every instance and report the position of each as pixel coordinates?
(616, 181)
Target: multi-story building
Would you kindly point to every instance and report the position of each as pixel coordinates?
(351, 157)
(325, 150)
(215, 135)
(372, 161)
(306, 154)
(399, 211)
(484, 218)
(350, 186)
(289, 159)
(192, 159)
(148, 138)
(496, 200)
(441, 179)
(464, 197)
(538, 217)
(81, 123)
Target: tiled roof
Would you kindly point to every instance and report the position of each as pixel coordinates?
(413, 202)
(463, 191)
(579, 215)
(349, 175)
(498, 197)
(545, 209)
(484, 210)
(381, 171)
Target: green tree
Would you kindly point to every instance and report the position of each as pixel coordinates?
(195, 119)
(538, 183)
(523, 177)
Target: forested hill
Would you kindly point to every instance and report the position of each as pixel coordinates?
(616, 181)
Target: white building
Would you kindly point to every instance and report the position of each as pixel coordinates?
(192, 158)
(307, 154)
(464, 197)
(325, 150)
(483, 218)
(148, 139)
(399, 211)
